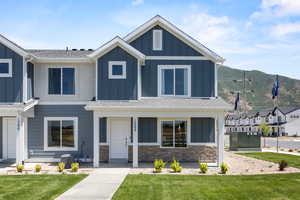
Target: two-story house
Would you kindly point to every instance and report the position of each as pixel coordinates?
(150, 95)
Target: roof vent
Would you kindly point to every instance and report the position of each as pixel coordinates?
(90, 49)
(74, 49)
(82, 49)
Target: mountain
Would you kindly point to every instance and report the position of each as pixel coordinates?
(258, 88)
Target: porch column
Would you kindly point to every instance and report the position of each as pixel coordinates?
(135, 157)
(220, 124)
(96, 140)
(20, 138)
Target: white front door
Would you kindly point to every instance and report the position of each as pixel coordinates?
(9, 138)
(119, 138)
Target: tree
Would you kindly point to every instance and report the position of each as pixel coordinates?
(265, 129)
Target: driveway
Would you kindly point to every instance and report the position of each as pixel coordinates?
(284, 142)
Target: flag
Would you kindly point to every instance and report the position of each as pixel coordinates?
(237, 99)
(275, 88)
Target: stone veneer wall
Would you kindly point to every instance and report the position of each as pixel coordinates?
(188, 154)
(104, 153)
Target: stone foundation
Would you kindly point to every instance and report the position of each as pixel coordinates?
(189, 154)
(104, 153)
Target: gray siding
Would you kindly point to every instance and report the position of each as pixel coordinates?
(202, 130)
(172, 46)
(1, 141)
(103, 129)
(147, 130)
(202, 77)
(30, 80)
(85, 127)
(11, 87)
(117, 89)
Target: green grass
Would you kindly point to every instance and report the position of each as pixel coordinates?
(170, 187)
(293, 161)
(34, 187)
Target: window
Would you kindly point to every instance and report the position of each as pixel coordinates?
(60, 133)
(174, 80)
(157, 40)
(117, 69)
(174, 133)
(5, 68)
(61, 81)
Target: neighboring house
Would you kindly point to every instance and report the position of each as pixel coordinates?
(150, 95)
(284, 119)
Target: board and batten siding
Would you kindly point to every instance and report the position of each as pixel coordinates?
(171, 45)
(117, 89)
(147, 130)
(30, 80)
(202, 130)
(85, 128)
(202, 77)
(1, 137)
(11, 88)
(103, 130)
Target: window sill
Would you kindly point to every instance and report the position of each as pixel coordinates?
(60, 149)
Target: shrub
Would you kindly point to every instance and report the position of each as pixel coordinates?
(282, 165)
(224, 168)
(74, 167)
(38, 168)
(291, 150)
(20, 168)
(61, 167)
(159, 165)
(203, 167)
(175, 166)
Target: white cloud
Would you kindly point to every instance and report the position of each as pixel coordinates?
(137, 2)
(285, 29)
(277, 8)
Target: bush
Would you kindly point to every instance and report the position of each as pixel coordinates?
(282, 165)
(61, 167)
(74, 167)
(175, 166)
(20, 168)
(37, 168)
(159, 165)
(203, 167)
(224, 168)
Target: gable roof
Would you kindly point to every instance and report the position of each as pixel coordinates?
(13, 46)
(158, 20)
(117, 41)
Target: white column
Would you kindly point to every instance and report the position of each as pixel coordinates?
(96, 140)
(135, 156)
(20, 138)
(220, 125)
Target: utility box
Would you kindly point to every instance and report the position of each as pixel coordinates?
(242, 141)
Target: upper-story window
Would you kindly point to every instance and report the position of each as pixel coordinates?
(5, 68)
(174, 80)
(61, 81)
(157, 40)
(117, 69)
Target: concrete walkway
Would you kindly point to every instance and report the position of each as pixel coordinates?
(100, 185)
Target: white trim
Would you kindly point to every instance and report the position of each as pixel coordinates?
(117, 41)
(157, 34)
(96, 86)
(75, 121)
(63, 102)
(25, 82)
(139, 80)
(216, 79)
(176, 58)
(13, 46)
(9, 62)
(135, 154)
(110, 66)
(158, 20)
(159, 77)
(61, 80)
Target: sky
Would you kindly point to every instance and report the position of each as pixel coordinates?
(250, 34)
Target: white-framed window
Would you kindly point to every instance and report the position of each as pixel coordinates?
(61, 80)
(5, 68)
(117, 69)
(60, 133)
(173, 133)
(157, 40)
(174, 80)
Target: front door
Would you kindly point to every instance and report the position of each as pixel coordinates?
(119, 138)
(9, 138)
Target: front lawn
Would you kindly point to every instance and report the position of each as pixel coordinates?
(170, 187)
(293, 161)
(33, 187)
